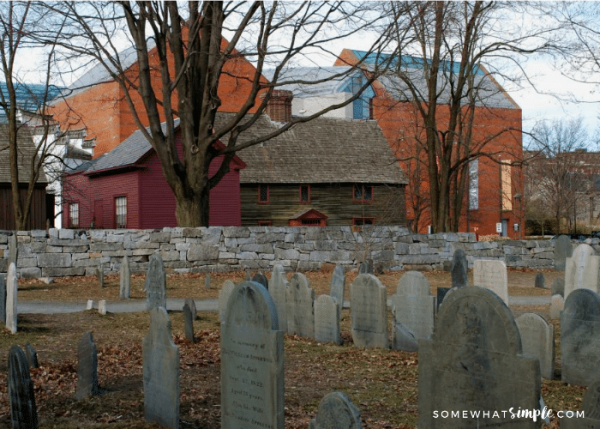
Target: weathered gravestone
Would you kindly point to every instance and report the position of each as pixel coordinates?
(23, 412)
(189, 323)
(540, 281)
(156, 283)
(11, 298)
(590, 408)
(224, 294)
(102, 307)
(192, 305)
(441, 294)
(90, 304)
(13, 249)
(278, 291)
(562, 250)
(537, 338)
(262, 279)
(492, 275)
(125, 278)
(369, 312)
(161, 371)
(100, 274)
(2, 298)
(413, 308)
(474, 363)
(300, 301)
(558, 286)
(460, 269)
(207, 281)
(327, 320)
(582, 270)
(366, 267)
(252, 384)
(31, 355)
(338, 286)
(580, 337)
(87, 368)
(336, 411)
(557, 305)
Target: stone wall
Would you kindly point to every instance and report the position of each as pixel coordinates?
(68, 252)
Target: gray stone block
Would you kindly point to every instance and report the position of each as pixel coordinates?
(203, 252)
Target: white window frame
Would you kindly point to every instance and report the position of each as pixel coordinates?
(121, 212)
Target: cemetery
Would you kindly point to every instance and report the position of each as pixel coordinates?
(336, 347)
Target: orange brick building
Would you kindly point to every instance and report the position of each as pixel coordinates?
(494, 194)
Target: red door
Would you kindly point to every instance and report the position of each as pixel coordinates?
(98, 215)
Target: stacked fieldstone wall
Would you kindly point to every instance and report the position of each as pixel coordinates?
(68, 252)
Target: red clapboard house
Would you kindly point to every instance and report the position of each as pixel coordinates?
(125, 188)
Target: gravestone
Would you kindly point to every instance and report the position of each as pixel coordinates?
(563, 249)
(125, 278)
(278, 291)
(413, 307)
(102, 307)
(366, 267)
(558, 286)
(156, 283)
(557, 305)
(192, 305)
(100, 273)
(11, 298)
(580, 337)
(31, 355)
(474, 363)
(338, 286)
(582, 270)
(189, 323)
(262, 279)
(13, 249)
(441, 294)
(224, 294)
(21, 399)
(300, 299)
(207, 281)
(336, 411)
(369, 312)
(90, 304)
(537, 338)
(327, 320)
(252, 384)
(591, 410)
(87, 368)
(540, 281)
(404, 339)
(490, 274)
(161, 371)
(460, 269)
(248, 276)
(2, 298)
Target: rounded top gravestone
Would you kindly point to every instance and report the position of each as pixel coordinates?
(251, 305)
(413, 283)
(336, 411)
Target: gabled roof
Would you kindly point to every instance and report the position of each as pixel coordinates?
(336, 79)
(26, 151)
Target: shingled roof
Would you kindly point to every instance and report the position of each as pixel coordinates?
(26, 150)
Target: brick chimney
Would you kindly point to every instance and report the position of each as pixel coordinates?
(279, 107)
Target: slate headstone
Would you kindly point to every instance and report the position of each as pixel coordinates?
(474, 362)
(262, 279)
(13, 250)
(161, 371)
(580, 337)
(87, 368)
(2, 298)
(338, 286)
(590, 407)
(11, 298)
(460, 269)
(327, 320)
(336, 411)
(404, 339)
(557, 305)
(300, 310)
(125, 278)
(492, 275)
(31, 356)
(441, 294)
(252, 383)
(189, 323)
(224, 294)
(558, 286)
(540, 281)
(368, 310)
(100, 273)
(207, 281)
(563, 249)
(102, 307)
(278, 290)
(192, 305)
(21, 399)
(156, 283)
(537, 338)
(582, 270)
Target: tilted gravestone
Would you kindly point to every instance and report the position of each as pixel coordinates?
(336, 411)
(327, 320)
(87, 368)
(590, 408)
(189, 323)
(21, 399)
(262, 279)
(563, 249)
(2, 298)
(413, 307)
(192, 305)
(540, 281)
(156, 283)
(557, 305)
(460, 269)
(369, 312)
(125, 279)
(558, 286)
(300, 311)
(582, 270)
(224, 294)
(278, 291)
(161, 371)
(473, 363)
(11, 298)
(537, 338)
(580, 337)
(252, 384)
(338, 286)
(31, 355)
(492, 275)
(13, 249)
(100, 274)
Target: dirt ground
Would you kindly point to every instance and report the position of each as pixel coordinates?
(381, 383)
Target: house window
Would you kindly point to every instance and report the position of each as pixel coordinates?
(474, 185)
(265, 223)
(263, 194)
(360, 221)
(121, 212)
(505, 178)
(74, 215)
(363, 193)
(304, 194)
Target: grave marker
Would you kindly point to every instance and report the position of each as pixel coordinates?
(441, 294)
(540, 281)
(189, 323)
(336, 411)
(278, 291)
(563, 249)
(327, 320)
(338, 287)
(590, 408)
(537, 338)
(369, 312)
(2, 298)
(125, 278)
(192, 305)
(490, 274)
(582, 270)
(460, 269)
(31, 355)
(207, 281)
(262, 279)
(102, 307)
(224, 294)
(100, 273)
(87, 368)
(90, 304)
(558, 286)
(557, 305)
(366, 267)
(11, 298)
(156, 283)
(21, 399)
(13, 249)
(300, 300)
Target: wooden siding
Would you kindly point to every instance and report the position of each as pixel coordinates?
(37, 218)
(333, 200)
